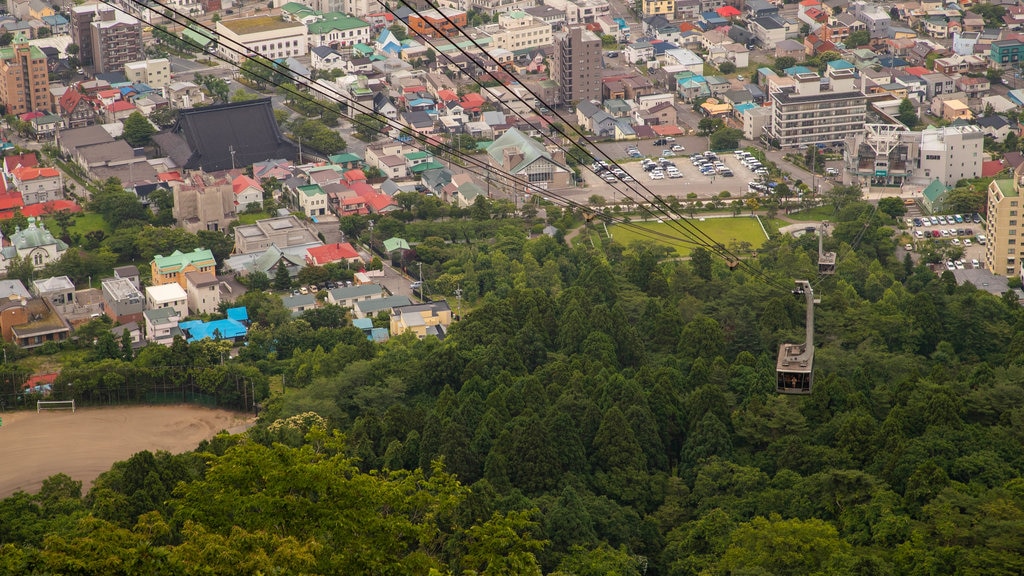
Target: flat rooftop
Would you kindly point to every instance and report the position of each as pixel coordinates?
(256, 24)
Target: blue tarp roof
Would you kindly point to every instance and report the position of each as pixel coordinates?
(198, 330)
(239, 313)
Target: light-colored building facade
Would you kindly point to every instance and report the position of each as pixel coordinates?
(155, 72)
(281, 231)
(38, 185)
(172, 269)
(1005, 235)
(808, 115)
(203, 292)
(267, 36)
(116, 39)
(167, 296)
(889, 155)
(519, 31)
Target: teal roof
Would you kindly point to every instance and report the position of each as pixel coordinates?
(1006, 187)
(178, 260)
(297, 9)
(419, 155)
(345, 158)
(311, 190)
(528, 147)
(34, 236)
(197, 37)
(362, 49)
(336, 21)
(392, 244)
(935, 190)
(420, 168)
(840, 65)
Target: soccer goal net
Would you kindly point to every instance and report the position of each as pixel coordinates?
(55, 405)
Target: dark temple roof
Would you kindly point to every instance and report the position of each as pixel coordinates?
(204, 137)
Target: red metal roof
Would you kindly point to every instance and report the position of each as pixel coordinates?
(27, 159)
(11, 200)
(29, 173)
(331, 253)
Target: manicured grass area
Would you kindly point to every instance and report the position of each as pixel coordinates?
(83, 223)
(252, 218)
(725, 231)
(814, 214)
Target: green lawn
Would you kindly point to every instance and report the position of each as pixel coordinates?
(726, 231)
(84, 222)
(814, 214)
(252, 218)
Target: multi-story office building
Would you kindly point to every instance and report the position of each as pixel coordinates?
(1006, 53)
(439, 23)
(24, 80)
(107, 38)
(1003, 220)
(890, 154)
(806, 115)
(577, 66)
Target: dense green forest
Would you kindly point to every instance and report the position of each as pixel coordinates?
(600, 410)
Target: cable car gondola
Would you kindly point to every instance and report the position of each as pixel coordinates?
(794, 371)
(826, 260)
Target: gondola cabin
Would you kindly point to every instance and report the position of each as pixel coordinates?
(826, 260)
(794, 371)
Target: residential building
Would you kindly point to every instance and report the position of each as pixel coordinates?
(807, 115)
(32, 323)
(325, 58)
(299, 303)
(427, 319)
(348, 296)
(107, 38)
(517, 155)
(203, 292)
(162, 325)
(26, 160)
(439, 23)
(155, 72)
(655, 7)
(24, 79)
(1003, 226)
(45, 126)
(122, 300)
(370, 308)
(172, 269)
(167, 296)
(234, 327)
(280, 231)
(183, 95)
(1006, 53)
(312, 200)
(342, 252)
(267, 36)
(247, 192)
(577, 66)
(38, 185)
(59, 290)
(35, 244)
(580, 11)
(130, 273)
(492, 7)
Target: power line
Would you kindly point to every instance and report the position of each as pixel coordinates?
(274, 68)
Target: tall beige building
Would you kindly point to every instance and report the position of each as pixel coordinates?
(577, 66)
(24, 79)
(1002, 251)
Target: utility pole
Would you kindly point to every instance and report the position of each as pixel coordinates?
(458, 309)
(231, 150)
(420, 264)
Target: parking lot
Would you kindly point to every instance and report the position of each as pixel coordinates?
(689, 179)
(968, 234)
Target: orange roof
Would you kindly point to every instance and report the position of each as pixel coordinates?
(108, 93)
(917, 70)
(44, 209)
(991, 168)
(26, 173)
(120, 106)
(380, 201)
(447, 95)
(732, 11)
(331, 253)
(11, 200)
(810, 3)
(39, 379)
(666, 130)
(243, 182)
(355, 175)
(172, 176)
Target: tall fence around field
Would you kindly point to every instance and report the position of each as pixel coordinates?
(208, 387)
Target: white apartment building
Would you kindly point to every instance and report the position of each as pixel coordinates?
(155, 73)
(580, 11)
(169, 295)
(519, 31)
(807, 115)
(268, 36)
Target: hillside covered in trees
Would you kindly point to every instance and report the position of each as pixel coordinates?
(598, 411)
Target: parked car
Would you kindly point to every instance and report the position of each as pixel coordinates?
(660, 142)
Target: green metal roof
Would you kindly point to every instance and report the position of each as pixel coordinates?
(392, 244)
(7, 53)
(934, 191)
(311, 190)
(344, 158)
(419, 155)
(420, 168)
(513, 138)
(336, 21)
(196, 37)
(178, 260)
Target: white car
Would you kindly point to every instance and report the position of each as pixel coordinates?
(657, 175)
(959, 264)
(950, 265)
(975, 263)
(678, 148)
(956, 241)
(918, 234)
(967, 241)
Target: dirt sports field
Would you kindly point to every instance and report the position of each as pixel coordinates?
(34, 446)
